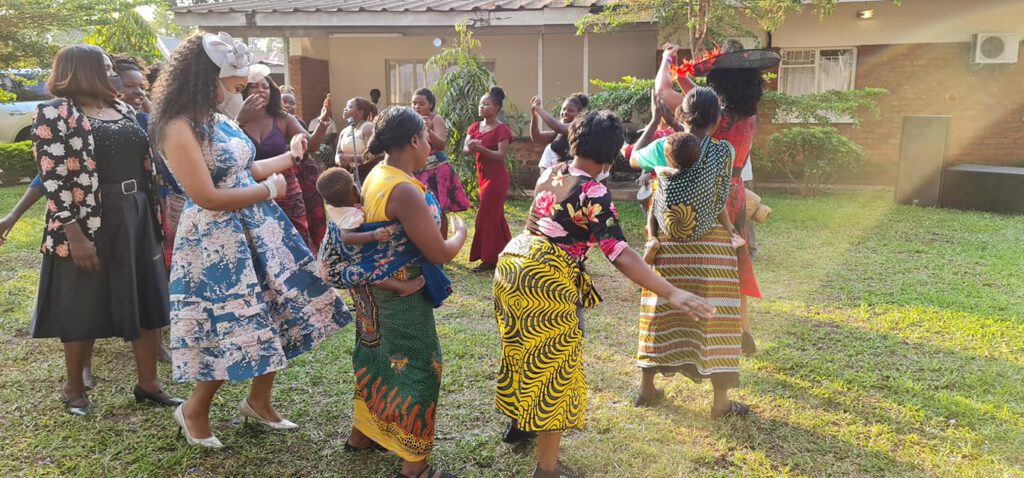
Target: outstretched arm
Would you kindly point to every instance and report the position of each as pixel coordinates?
(663, 79)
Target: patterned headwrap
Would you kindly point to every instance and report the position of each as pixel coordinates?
(233, 58)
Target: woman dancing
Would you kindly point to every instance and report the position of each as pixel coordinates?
(541, 287)
(488, 141)
(246, 293)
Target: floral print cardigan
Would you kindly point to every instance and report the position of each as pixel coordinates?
(575, 212)
(62, 144)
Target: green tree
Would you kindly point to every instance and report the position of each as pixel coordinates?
(129, 34)
(28, 27)
(465, 78)
(163, 21)
(703, 20)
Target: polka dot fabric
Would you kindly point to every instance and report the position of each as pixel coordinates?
(687, 202)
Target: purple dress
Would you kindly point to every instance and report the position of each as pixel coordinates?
(291, 202)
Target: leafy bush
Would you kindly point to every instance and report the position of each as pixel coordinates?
(824, 107)
(812, 157)
(16, 160)
(629, 98)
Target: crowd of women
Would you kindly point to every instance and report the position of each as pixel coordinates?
(204, 210)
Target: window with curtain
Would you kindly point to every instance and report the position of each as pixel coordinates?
(814, 70)
(407, 76)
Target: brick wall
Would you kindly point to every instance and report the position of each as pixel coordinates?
(312, 81)
(986, 105)
(527, 156)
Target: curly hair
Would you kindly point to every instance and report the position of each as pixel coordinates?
(738, 90)
(187, 88)
(274, 104)
(338, 187)
(597, 136)
(682, 150)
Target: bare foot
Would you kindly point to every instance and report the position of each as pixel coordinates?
(410, 287)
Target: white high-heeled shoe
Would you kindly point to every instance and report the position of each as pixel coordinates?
(212, 442)
(247, 413)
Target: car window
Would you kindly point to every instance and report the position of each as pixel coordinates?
(26, 86)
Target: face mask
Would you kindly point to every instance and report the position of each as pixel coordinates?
(232, 103)
(604, 175)
(115, 81)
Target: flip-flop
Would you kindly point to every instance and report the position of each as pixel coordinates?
(736, 409)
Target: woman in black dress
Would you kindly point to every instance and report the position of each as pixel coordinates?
(103, 269)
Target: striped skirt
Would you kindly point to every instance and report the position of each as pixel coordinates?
(670, 342)
(539, 291)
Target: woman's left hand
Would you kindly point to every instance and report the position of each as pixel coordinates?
(298, 145)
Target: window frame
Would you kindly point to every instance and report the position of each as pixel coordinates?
(390, 86)
(817, 75)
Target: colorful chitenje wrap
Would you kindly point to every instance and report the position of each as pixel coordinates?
(397, 356)
(350, 265)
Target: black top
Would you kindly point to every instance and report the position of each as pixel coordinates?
(121, 146)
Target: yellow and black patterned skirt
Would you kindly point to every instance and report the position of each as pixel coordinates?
(539, 291)
(671, 342)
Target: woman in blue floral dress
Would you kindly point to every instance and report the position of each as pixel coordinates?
(245, 291)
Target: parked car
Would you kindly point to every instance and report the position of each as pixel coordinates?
(29, 87)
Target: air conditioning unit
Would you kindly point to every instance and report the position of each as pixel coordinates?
(995, 48)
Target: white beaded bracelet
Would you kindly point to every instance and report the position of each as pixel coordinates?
(271, 189)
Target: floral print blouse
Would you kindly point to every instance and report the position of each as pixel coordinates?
(63, 145)
(575, 212)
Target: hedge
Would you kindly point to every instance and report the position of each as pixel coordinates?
(16, 161)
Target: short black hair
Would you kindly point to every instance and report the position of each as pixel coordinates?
(394, 127)
(338, 187)
(682, 150)
(429, 95)
(739, 90)
(597, 136)
(700, 108)
(580, 100)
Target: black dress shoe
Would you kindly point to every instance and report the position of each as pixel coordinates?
(157, 398)
(514, 435)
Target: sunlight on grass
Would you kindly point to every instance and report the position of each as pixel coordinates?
(890, 340)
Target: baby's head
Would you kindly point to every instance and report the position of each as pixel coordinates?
(338, 188)
(682, 150)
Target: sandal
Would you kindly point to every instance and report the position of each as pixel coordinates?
(560, 471)
(429, 470)
(736, 409)
(513, 434)
(641, 401)
(748, 346)
(78, 404)
(484, 267)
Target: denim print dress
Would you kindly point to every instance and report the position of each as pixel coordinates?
(246, 294)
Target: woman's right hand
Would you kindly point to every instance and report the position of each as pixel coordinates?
(535, 103)
(691, 305)
(6, 224)
(670, 50)
(277, 179)
(458, 226)
(84, 254)
(250, 109)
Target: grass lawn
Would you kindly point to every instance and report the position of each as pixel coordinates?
(892, 344)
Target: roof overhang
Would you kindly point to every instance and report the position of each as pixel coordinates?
(306, 23)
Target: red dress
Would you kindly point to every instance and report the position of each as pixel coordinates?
(740, 134)
(492, 233)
